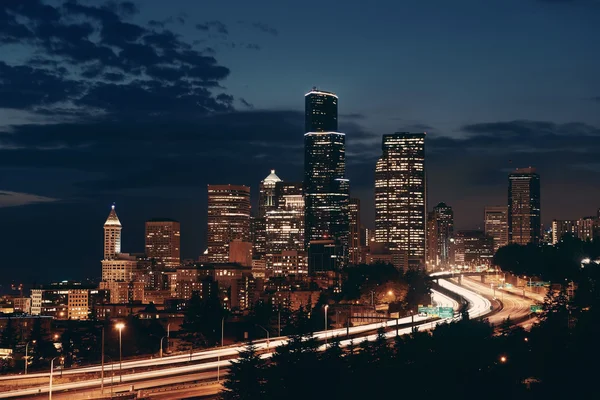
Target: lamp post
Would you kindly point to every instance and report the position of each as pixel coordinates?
(120, 327)
(26, 358)
(326, 322)
(51, 376)
(267, 334)
(279, 321)
(222, 329)
(160, 354)
(168, 335)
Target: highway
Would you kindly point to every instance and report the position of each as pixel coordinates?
(514, 307)
(234, 349)
(478, 306)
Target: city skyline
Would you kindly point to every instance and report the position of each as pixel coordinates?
(88, 134)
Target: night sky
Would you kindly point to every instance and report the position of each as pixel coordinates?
(145, 103)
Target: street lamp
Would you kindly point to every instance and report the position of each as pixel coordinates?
(168, 335)
(222, 329)
(267, 333)
(161, 346)
(51, 376)
(326, 322)
(120, 327)
(26, 358)
(503, 359)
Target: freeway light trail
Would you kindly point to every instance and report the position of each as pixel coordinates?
(478, 306)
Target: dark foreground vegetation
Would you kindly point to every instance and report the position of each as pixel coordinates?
(467, 359)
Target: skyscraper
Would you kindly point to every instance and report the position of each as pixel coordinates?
(524, 220)
(228, 219)
(440, 231)
(354, 248)
(326, 188)
(267, 201)
(496, 225)
(163, 242)
(116, 266)
(400, 188)
(267, 196)
(285, 225)
(112, 235)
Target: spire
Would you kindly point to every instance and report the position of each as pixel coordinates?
(272, 177)
(112, 219)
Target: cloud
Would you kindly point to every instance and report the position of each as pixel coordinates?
(14, 199)
(214, 26)
(245, 103)
(596, 98)
(353, 116)
(262, 27)
(90, 59)
(253, 46)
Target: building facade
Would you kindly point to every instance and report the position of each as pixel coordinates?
(354, 247)
(496, 225)
(440, 229)
(472, 248)
(163, 242)
(112, 235)
(228, 219)
(524, 209)
(326, 188)
(400, 195)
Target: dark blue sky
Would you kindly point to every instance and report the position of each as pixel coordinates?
(145, 103)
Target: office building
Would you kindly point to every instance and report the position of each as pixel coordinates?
(240, 253)
(472, 248)
(562, 227)
(440, 228)
(163, 242)
(524, 216)
(112, 235)
(325, 185)
(267, 194)
(228, 219)
(324, 256)
(400, 189)
(496, 225)
(267, 201)
(354, 248)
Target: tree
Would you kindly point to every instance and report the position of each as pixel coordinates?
(246, 376)
(9, 336)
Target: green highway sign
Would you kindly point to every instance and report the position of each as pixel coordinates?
(446, 312)
(534, 308)
(538, 284)
(431, 311)
(508, 285)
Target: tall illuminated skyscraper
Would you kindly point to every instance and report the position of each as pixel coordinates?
(267, 201)
(496, 225)
(267, 196)
(440, 231)
(325, 185)
(354, 248)
(524, 217)
(400, 189)
(228, 219)
(112, 235)
(163, 242)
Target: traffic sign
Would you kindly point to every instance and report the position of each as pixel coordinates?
(538, 284)
(534, 308)
(446, 312)
(431, 311)
(508, 285)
